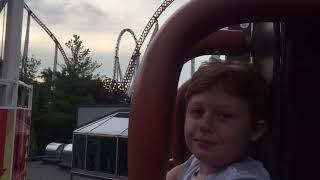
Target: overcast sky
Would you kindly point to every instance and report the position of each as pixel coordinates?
(98, 23)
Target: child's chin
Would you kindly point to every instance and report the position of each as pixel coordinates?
(209, 158)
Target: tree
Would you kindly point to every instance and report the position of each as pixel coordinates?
(40, 109)
(30, 70)
(54, 110)
(79, 65)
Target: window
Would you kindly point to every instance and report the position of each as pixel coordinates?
(101, 154)
(92, 156)
(123, 157)
(108, 154)
(122, 115)
(79, 147)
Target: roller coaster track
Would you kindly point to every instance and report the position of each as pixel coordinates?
(124, 85)
(44, 27)
(126, 81)
(115, 82)
(3, 4)
(116, 69)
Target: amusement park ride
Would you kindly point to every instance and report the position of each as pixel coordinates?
(125, 82)
(285, 50)
(293, 149)
(16, 96)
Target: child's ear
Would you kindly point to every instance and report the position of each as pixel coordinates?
(259, 128)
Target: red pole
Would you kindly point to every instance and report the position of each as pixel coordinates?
(3, 135)
(154, 98)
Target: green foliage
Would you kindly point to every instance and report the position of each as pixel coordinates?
(52, 127)
(33, 145)
(55, 102)
(40, 107)
(30, 70)
(80, 64)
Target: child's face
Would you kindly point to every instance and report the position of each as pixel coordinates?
(218, 127)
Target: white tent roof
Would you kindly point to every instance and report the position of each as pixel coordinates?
(113, 125)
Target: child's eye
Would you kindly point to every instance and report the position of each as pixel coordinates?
(196, 112)
(223, 116)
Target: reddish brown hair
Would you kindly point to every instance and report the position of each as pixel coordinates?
(238, 79)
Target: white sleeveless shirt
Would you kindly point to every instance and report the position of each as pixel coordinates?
(248, 169)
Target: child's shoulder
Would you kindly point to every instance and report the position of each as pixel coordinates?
(188, 168)
(248, 169)
(182, 171)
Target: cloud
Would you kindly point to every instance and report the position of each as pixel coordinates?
(98, 22)
(49, 12)
(96, 16)
(77, 15)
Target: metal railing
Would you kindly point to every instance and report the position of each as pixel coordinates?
(14, 86)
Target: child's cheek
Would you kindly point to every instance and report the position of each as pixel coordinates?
(189, 134)
(189, 142)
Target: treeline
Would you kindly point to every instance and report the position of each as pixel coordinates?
(58, 94)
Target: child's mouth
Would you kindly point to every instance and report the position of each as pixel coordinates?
(204, 142)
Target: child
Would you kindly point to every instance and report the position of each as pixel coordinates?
(226, 113)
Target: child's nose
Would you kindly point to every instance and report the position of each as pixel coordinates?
(205, 129)
(206, 125)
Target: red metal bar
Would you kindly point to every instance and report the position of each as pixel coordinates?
(154, 99)
(3, 135)
(221, 42)
(178, 149)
